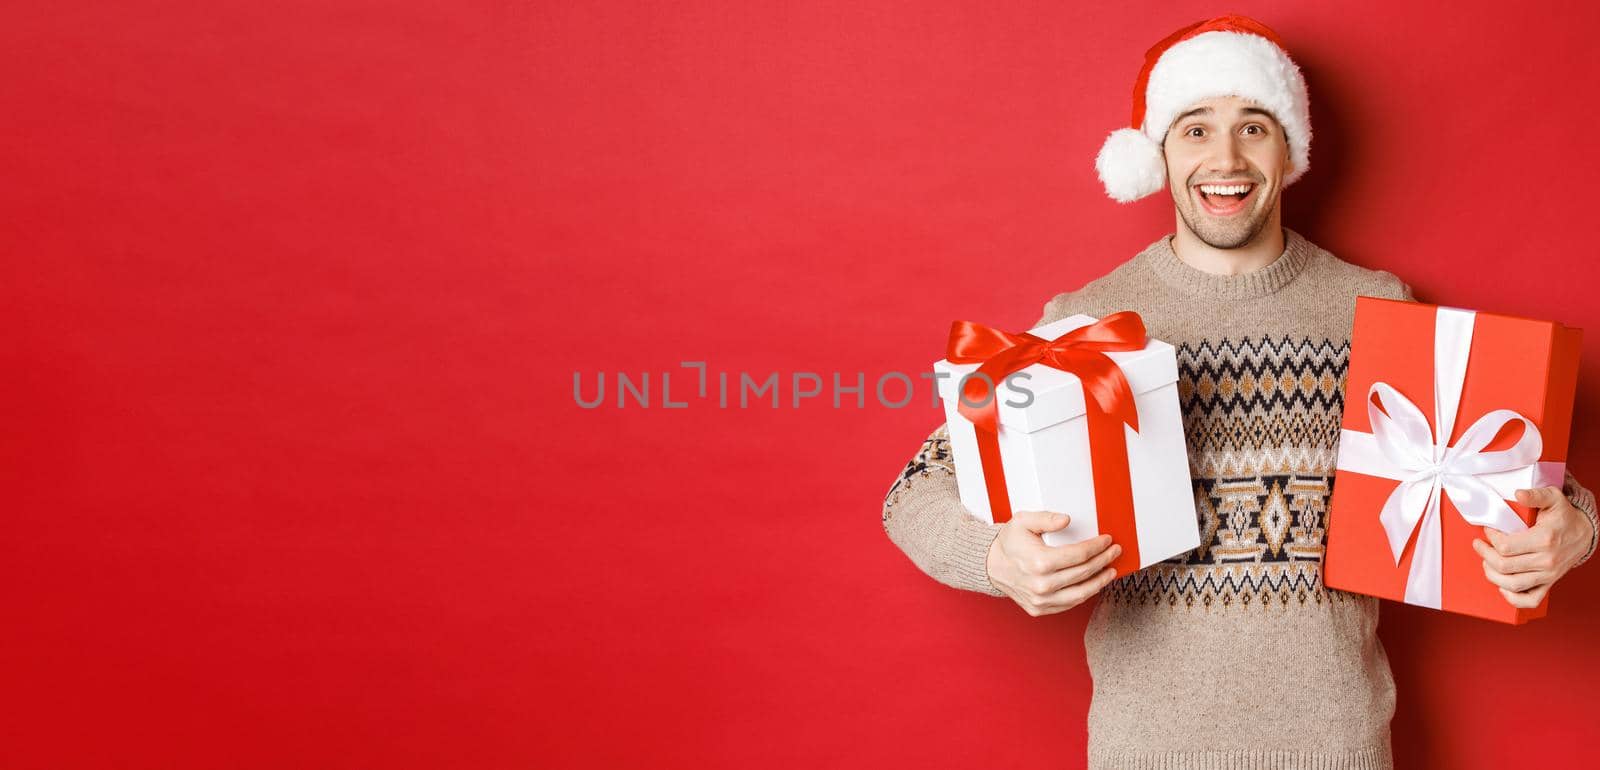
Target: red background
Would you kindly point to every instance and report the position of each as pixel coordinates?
(294, 294)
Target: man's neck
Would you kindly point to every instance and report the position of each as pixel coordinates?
(1264, 250)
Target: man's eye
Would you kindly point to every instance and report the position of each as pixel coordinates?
(1254, 127)
(1192, 130)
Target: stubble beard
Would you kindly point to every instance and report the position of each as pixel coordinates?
(1230, 233)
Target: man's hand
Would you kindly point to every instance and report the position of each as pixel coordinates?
(1045, 579)
(1524, 565)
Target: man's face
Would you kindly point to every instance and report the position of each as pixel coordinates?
(1232, 144)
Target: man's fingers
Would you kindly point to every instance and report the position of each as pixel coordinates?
(1517, 583)
(1531, 540)
(1495, 536)
(1526, 599)
(1511, 565)
(1079, 593)
(1054, 558)
(1540, 497)
(1078, 574)
(1036, 558)
(1040, 522)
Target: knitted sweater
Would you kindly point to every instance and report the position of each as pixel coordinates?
(1234, 654)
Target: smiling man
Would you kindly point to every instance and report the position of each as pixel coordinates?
(1234, 654)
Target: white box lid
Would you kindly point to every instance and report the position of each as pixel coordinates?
(1058, 395)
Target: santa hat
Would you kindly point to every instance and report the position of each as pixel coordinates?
(1224, 56)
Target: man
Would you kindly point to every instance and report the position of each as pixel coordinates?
(1234, 654)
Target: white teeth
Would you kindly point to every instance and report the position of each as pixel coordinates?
(1232, 189)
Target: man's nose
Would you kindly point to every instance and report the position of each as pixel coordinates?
(1228, 156)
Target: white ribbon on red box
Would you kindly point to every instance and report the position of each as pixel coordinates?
(1403, 448)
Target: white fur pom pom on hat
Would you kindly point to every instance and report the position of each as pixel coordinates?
(1224, 56)
(1130, 165)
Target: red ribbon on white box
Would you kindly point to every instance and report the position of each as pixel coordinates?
(1402, 447)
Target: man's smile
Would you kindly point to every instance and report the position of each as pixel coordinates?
(1225, 199)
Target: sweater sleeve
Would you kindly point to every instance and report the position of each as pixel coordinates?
(1583, 499)
(923, 514)
(1404, 290)
(1580, 497)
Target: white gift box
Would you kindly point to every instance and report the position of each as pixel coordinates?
(1044, 448)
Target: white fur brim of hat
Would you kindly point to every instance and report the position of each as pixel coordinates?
(1211, 64)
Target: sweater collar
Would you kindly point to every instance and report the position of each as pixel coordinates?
(1297, 253)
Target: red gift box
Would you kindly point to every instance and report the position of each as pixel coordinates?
(1406, 506)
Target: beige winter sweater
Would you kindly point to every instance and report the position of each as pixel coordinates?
(1235, 654)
